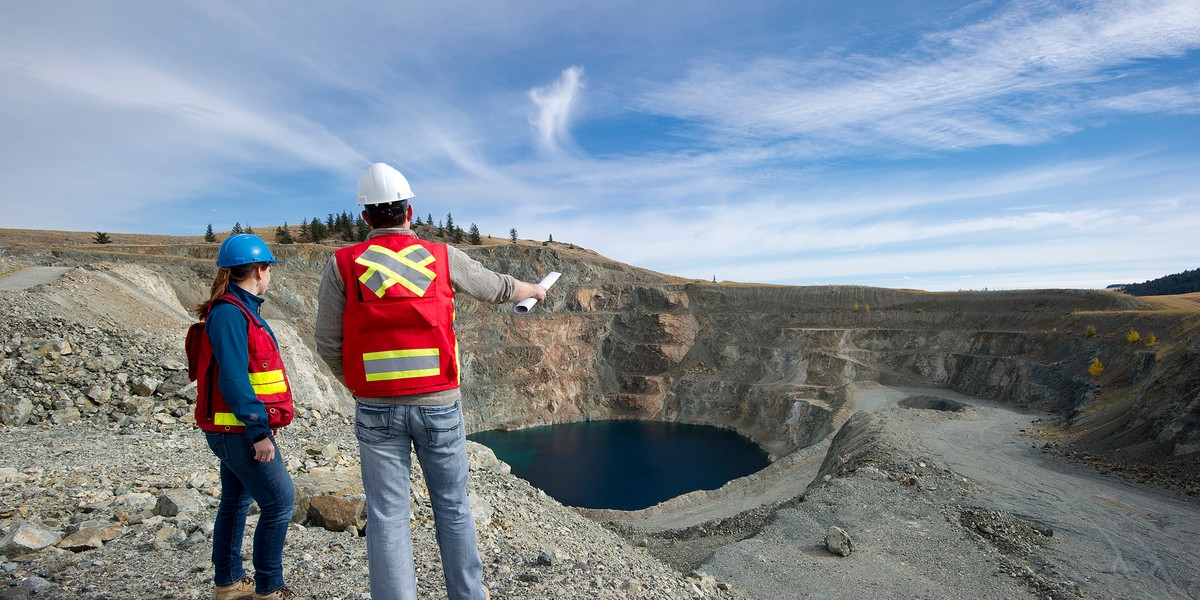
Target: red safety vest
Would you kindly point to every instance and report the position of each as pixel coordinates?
(398, 325)
(266, 373)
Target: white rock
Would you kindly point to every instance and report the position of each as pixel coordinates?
(838, 541)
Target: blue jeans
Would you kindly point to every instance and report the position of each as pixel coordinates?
(243, 479)
(387, 435)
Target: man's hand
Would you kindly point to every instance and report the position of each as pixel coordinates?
(529, 290)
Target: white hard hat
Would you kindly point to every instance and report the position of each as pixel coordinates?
(382, 184)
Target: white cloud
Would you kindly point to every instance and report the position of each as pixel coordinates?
(1174, 99)
(1019, 78)
(555, 105)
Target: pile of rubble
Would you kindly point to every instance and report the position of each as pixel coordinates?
(107, 490)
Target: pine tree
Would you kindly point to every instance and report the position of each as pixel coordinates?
(317, 230)
(101, 238)
(237, 228)
(209, 236)
(450, 223)
(282, 235)
(458, 235)
(429, 219)
(305, 236)
(551, 240)
(361, 229)
(512, 235)
(441, 232)
(249, 229)
(474, 237)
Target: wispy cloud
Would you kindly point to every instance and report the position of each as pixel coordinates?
(994, 143)
(555, 104)
(1018, 78)
(1177, 99)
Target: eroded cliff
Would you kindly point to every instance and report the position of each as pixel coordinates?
(772, 362)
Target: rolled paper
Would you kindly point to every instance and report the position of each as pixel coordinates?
(526, 305)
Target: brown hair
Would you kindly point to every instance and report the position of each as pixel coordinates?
(220, 284)
(391, 214)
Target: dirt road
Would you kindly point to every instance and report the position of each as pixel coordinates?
(1111, 538)
(29, 277)
(1122, 539)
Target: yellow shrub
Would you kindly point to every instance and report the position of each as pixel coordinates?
(1096, 368)
(1133, 336)
(1090, 331)
(1150, 339)
(866, 308)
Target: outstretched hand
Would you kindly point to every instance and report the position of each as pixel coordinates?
(529, 290)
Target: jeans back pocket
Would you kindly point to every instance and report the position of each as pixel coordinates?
(373, 422)
(443, 424)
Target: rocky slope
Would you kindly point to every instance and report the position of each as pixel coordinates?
(96, 356)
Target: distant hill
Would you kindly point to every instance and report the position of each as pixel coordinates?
(1179, 283)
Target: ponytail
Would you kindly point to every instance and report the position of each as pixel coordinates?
(220, 284)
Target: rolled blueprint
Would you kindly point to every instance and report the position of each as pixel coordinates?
(526, 305)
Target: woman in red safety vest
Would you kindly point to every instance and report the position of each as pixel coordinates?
(243, 398)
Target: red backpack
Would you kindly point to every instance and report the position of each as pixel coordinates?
(192, 345)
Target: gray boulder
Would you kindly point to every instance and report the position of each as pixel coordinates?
(838, 541)
(174, 502)
(26, 537)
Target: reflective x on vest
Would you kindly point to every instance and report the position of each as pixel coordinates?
(401, 364)
(386, 268)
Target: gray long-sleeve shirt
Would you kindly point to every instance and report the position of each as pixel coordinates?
(467, 276)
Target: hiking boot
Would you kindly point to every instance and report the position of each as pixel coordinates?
(237, 590)
(283, 593)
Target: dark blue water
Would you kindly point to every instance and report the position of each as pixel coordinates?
(624, 465)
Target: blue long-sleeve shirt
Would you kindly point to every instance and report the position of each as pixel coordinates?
(226, 328)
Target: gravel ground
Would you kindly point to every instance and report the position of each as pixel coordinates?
(71, 476)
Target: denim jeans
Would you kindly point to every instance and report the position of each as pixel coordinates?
(243, 479)
(387, 435)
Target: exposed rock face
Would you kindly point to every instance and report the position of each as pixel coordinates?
(615, 342)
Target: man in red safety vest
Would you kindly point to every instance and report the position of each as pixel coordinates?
(385, 327)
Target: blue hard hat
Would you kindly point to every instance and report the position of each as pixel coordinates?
(243, 249)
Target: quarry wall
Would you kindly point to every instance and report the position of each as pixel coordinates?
(771, 362)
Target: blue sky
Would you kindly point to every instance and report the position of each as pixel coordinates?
(925, 144)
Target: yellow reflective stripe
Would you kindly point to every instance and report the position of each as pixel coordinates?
(268, 382)
(227, 419)
(267, 389)
(390, 278)
(400, 353)
(377, 281)
(401, 364)
(381, 275)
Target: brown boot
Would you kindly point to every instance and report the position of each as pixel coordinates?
(242, 588)
(283, 593)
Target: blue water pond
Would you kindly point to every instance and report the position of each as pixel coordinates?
(624, 465)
